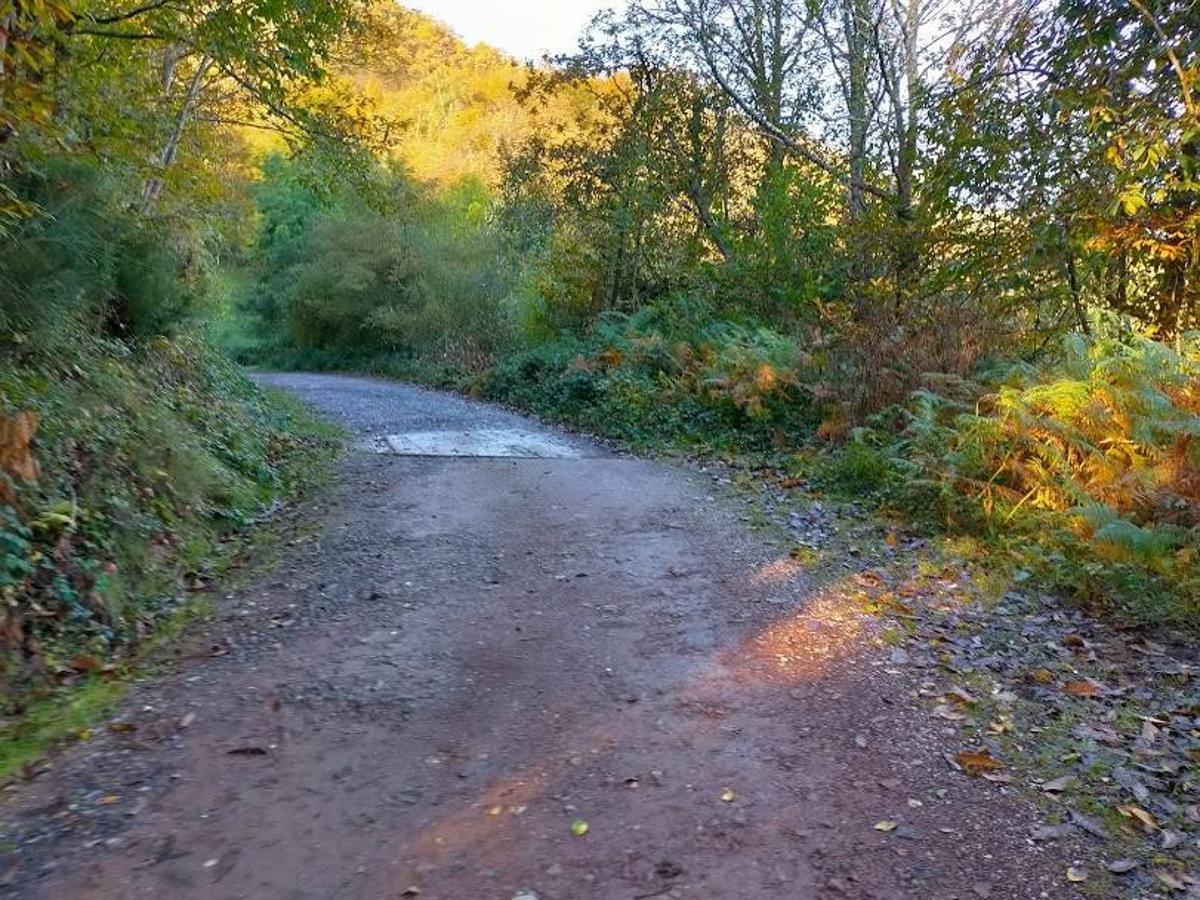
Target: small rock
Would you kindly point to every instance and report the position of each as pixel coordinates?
(1058, 785)
(1088, 824)
(1051, 832)
(1171, 840)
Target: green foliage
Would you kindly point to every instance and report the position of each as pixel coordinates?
(860, 468)
(151, 458)
(1085, 468)
(83, 265)
(671, 375)
(353, 279)
(54, 719)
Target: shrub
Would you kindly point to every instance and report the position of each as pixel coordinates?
(667, 375)
(1087, 466)
(84, 265)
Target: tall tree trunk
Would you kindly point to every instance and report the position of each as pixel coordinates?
(906, 103)
(776, 77)
(1076, 293)
(856, 22)
(697, 193)
(153, 187)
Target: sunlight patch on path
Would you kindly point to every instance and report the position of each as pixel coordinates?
(483, 442)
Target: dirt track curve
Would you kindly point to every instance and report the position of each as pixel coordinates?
(468, 655)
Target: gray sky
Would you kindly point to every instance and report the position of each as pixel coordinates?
(524, 28)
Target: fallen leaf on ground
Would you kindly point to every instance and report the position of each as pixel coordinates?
(1098, 732)
(1076, 876)
(944, 711)
(1082, 689)
(958, 695)
(1088, 824)
(885, 826)
(1170, 880)
(998, 777)
(579, 828)
(977, 762)
(1136, 812)
(1002, 725)
(727, 795)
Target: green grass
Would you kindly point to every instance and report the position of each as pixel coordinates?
(72, 712)
(51, 721)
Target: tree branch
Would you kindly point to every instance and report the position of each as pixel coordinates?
(129, 14)
(775, 133)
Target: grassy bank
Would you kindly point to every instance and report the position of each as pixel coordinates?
(150, 466)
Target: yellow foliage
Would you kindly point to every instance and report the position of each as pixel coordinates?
(457, 105)
(16, 451)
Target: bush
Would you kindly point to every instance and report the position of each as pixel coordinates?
(666, 375)
(356, 279)
(1088, 468)
(83, 265)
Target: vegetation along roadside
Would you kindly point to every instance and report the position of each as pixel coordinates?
(155, 472)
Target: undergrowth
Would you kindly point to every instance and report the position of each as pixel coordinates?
(667, 377)
(154, 457)
(1079, 474)
(1082, 473)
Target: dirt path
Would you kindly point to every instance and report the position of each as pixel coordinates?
(471, 654)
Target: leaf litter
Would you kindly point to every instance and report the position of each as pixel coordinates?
(1100, 723)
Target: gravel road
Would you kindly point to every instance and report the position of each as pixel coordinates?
(460, 664)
